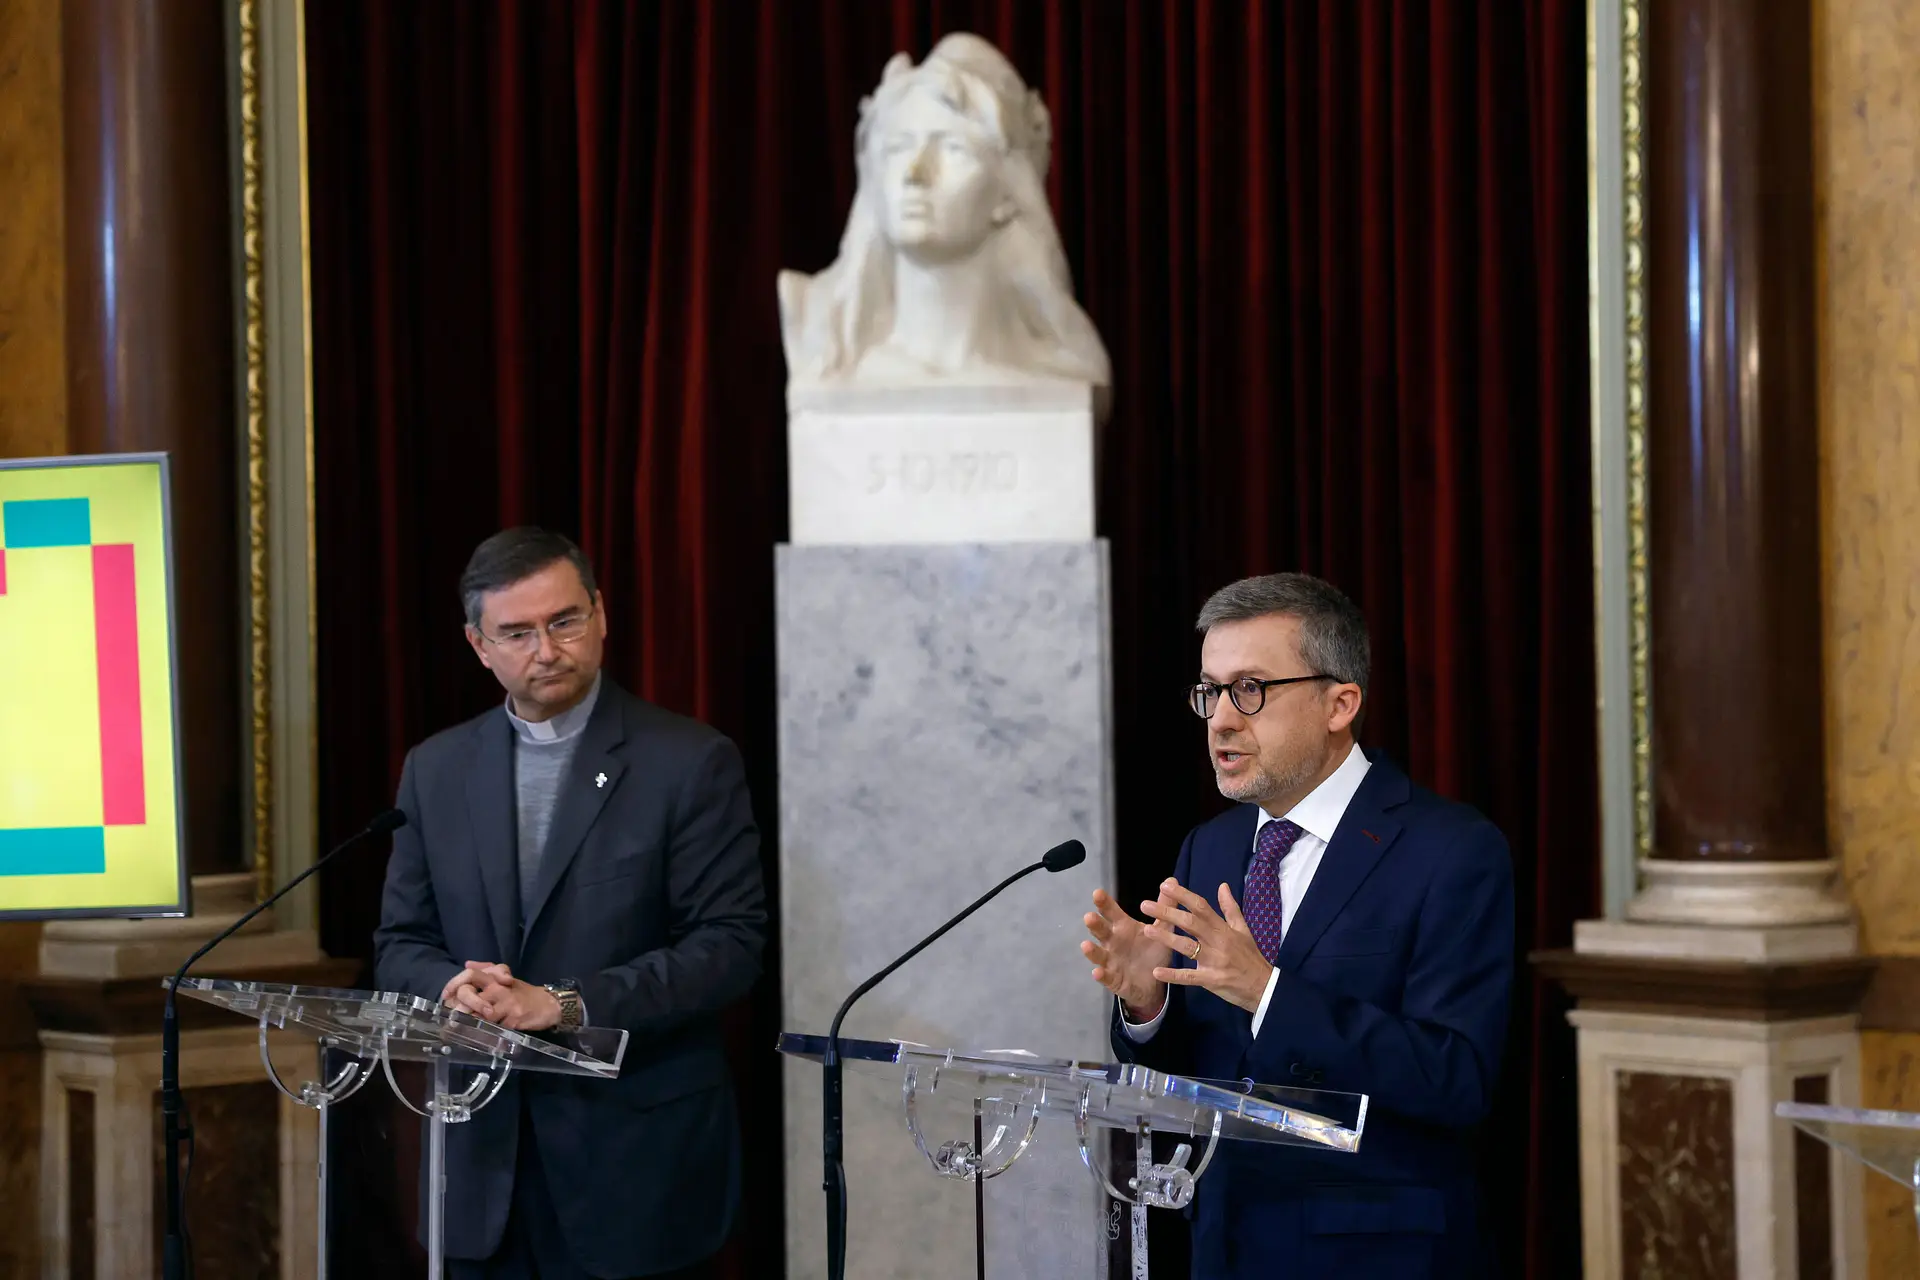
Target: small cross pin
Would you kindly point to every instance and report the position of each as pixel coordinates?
(600, 780)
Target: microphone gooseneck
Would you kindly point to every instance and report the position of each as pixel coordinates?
(1059, 858)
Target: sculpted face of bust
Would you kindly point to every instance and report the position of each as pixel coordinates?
(950, 268)
(939, 184)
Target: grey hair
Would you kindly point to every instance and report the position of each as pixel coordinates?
(514, 555)
(1333, 631)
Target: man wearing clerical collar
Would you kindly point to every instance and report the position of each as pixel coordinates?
(579, 858)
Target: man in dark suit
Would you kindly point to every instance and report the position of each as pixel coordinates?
(579, 857)
(1341, 929)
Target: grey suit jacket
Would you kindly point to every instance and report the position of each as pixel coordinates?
(650, 896)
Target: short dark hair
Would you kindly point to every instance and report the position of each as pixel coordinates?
(1333, 631)
(514, 555)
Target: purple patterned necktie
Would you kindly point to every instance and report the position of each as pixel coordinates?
(1260, 902)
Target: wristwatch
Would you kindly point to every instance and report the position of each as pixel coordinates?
(573, 1013)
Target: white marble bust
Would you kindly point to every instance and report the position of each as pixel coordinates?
(950, 269)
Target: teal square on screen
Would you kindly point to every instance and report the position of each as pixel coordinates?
(54, 851)
(47, 522)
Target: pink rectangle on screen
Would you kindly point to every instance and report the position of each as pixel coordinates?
(3, 571)
(116, 628)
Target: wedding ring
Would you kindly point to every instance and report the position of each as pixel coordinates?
(1195, 954)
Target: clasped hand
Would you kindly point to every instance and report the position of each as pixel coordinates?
(1133, 959)
(490, 991)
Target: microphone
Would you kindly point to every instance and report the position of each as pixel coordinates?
(1069, 853)
(178, 1129)
(1063, 857)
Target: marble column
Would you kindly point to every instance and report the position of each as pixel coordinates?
(1739, 838)
(1733, 437)
(150, 348)
(1734, 983)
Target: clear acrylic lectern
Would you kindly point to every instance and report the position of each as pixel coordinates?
(385, 1027)
(1888, 1141)
(1011, 1093)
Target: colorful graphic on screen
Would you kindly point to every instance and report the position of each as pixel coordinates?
(88, 799)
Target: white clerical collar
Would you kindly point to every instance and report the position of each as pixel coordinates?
(1320, 812)
(560, 727)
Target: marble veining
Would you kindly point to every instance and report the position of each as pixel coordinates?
(1676, 1177)
(943, 722)
(233, 1216)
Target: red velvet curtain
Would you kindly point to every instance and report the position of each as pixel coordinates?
(1336, 248)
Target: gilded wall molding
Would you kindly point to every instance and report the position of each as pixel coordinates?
(269, 95)
(1616, 156)
(259, 603)
(1634, 157)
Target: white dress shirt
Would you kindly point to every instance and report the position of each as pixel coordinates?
(1317, 816)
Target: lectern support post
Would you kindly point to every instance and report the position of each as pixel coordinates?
(320, 1177)
(437, 1171)
(1142, 1161)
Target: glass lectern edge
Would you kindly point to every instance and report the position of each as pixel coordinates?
(408, 1028)
(1122, 1094)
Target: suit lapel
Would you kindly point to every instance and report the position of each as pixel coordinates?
(490, 811)
(592, 777)
(1363, 836)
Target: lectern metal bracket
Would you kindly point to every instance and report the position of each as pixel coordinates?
(346, 1082)
(960, 1159)
(444, 1104)
(1154, 1186)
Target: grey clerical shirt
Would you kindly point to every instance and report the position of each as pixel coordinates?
(543, 752)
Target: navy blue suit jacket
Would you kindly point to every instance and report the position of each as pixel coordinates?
(650, 896)
(1395, 978)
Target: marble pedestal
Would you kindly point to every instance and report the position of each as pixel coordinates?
(252, 1204)
(944, 720)
(96, 1003)
(1684, 1169)
(950, 465)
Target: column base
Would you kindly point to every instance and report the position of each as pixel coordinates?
(1683, 1164)
(1739, 894)
(99, 1151)
(101, 1163)
(1776, 945)
(1683, 1167)
(108, 949)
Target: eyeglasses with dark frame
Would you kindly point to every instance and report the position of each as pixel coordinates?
(1249, 693)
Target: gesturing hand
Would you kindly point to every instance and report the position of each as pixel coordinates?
(1126, 960)
(1226, 959)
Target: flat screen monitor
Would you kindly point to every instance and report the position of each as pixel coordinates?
(90, 796)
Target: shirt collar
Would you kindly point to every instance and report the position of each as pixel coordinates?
(1320, 812)
(557, 728)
